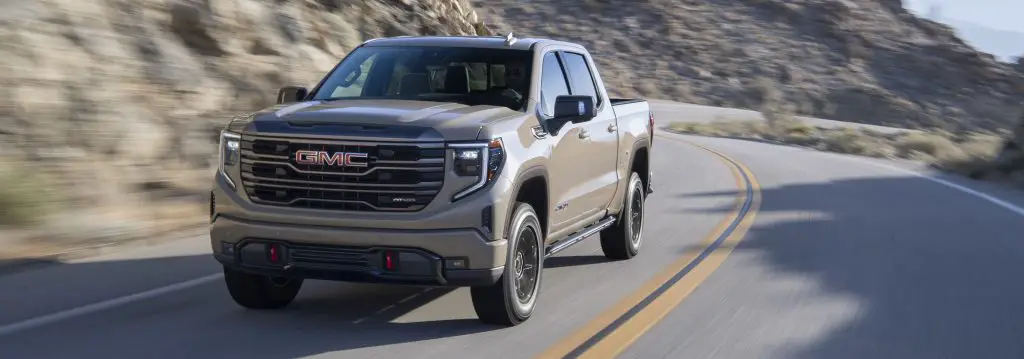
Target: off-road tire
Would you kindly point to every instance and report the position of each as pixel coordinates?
(622, 240)
(255, 291)
(500, 303)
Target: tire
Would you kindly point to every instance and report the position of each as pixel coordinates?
(255, 291)
(500, 303)
(622, 240)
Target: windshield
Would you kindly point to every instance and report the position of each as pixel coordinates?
(471, 76)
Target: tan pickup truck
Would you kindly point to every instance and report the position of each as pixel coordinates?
(436, 161)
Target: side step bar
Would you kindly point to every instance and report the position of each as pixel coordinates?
(579, 236)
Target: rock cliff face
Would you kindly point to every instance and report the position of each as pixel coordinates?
(867, 61)
(112, 105)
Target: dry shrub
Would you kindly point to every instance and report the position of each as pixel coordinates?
(24, 196)
(961, 152)
(785, 126)
(975, 152)
(771, 100)
(982, 145)
(796, 132)
(740, 129)
(794, 127)
(854, 141)
(927, 146)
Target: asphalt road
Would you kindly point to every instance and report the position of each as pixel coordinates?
(843, 258)
(700, 113)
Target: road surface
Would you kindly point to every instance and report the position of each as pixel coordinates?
(822, 256)
(701, 113)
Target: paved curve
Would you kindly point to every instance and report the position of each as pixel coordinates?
(701, 113)
(845, 259)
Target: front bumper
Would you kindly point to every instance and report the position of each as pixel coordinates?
(436, 257)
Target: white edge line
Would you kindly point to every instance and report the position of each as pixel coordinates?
(379, 311)
(996, 201)
(104, 305)
(382, 310)
(411, 297)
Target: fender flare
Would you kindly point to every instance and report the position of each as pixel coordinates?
(645, 144)
(523, 176)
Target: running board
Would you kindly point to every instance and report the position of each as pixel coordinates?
(579, 236)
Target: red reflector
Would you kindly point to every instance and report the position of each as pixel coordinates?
(390, 261)
(275, 256)
(650, 122)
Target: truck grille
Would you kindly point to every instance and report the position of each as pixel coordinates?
(398, 177)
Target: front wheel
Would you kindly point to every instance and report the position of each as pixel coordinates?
(256, 291)
(622, 240)
(512, 299)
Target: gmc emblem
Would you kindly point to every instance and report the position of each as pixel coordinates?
(341, 159)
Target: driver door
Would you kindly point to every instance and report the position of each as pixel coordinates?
(601, 178)
(567, 174)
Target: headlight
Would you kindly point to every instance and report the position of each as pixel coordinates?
(481, 160)
(229, 154)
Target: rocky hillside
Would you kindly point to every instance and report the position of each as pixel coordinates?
(109, 109)
(867, 61)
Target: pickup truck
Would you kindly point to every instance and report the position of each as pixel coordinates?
(432, 161)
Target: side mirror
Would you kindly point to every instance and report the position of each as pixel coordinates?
(575, 109)
(290, 94)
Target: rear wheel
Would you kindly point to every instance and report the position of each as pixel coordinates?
(256, 291)
(622, 240)
(512, 299)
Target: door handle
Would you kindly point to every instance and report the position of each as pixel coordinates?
(583, 134)
(612, 128)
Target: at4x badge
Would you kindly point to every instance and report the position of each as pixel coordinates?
(561, 206)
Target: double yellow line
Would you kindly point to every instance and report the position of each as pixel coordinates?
(611, 332)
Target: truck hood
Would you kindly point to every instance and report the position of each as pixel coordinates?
(397, 120)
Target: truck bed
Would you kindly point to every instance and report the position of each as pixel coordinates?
(623, 101)
(628, 109)
(632, 113)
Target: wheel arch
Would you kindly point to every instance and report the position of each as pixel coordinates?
(640, 161)
(531, 186)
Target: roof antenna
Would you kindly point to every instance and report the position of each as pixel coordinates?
(510, 39)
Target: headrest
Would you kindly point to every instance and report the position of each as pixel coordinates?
(414, 84)
(456, 79)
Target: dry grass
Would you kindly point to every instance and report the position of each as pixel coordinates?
(961, 153)
(23, 197)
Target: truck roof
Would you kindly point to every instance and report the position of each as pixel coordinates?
(489, 42)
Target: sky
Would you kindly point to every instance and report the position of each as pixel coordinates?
(997, 14)
(991, 26)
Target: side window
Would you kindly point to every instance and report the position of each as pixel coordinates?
(582, 80)
(552, 83)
